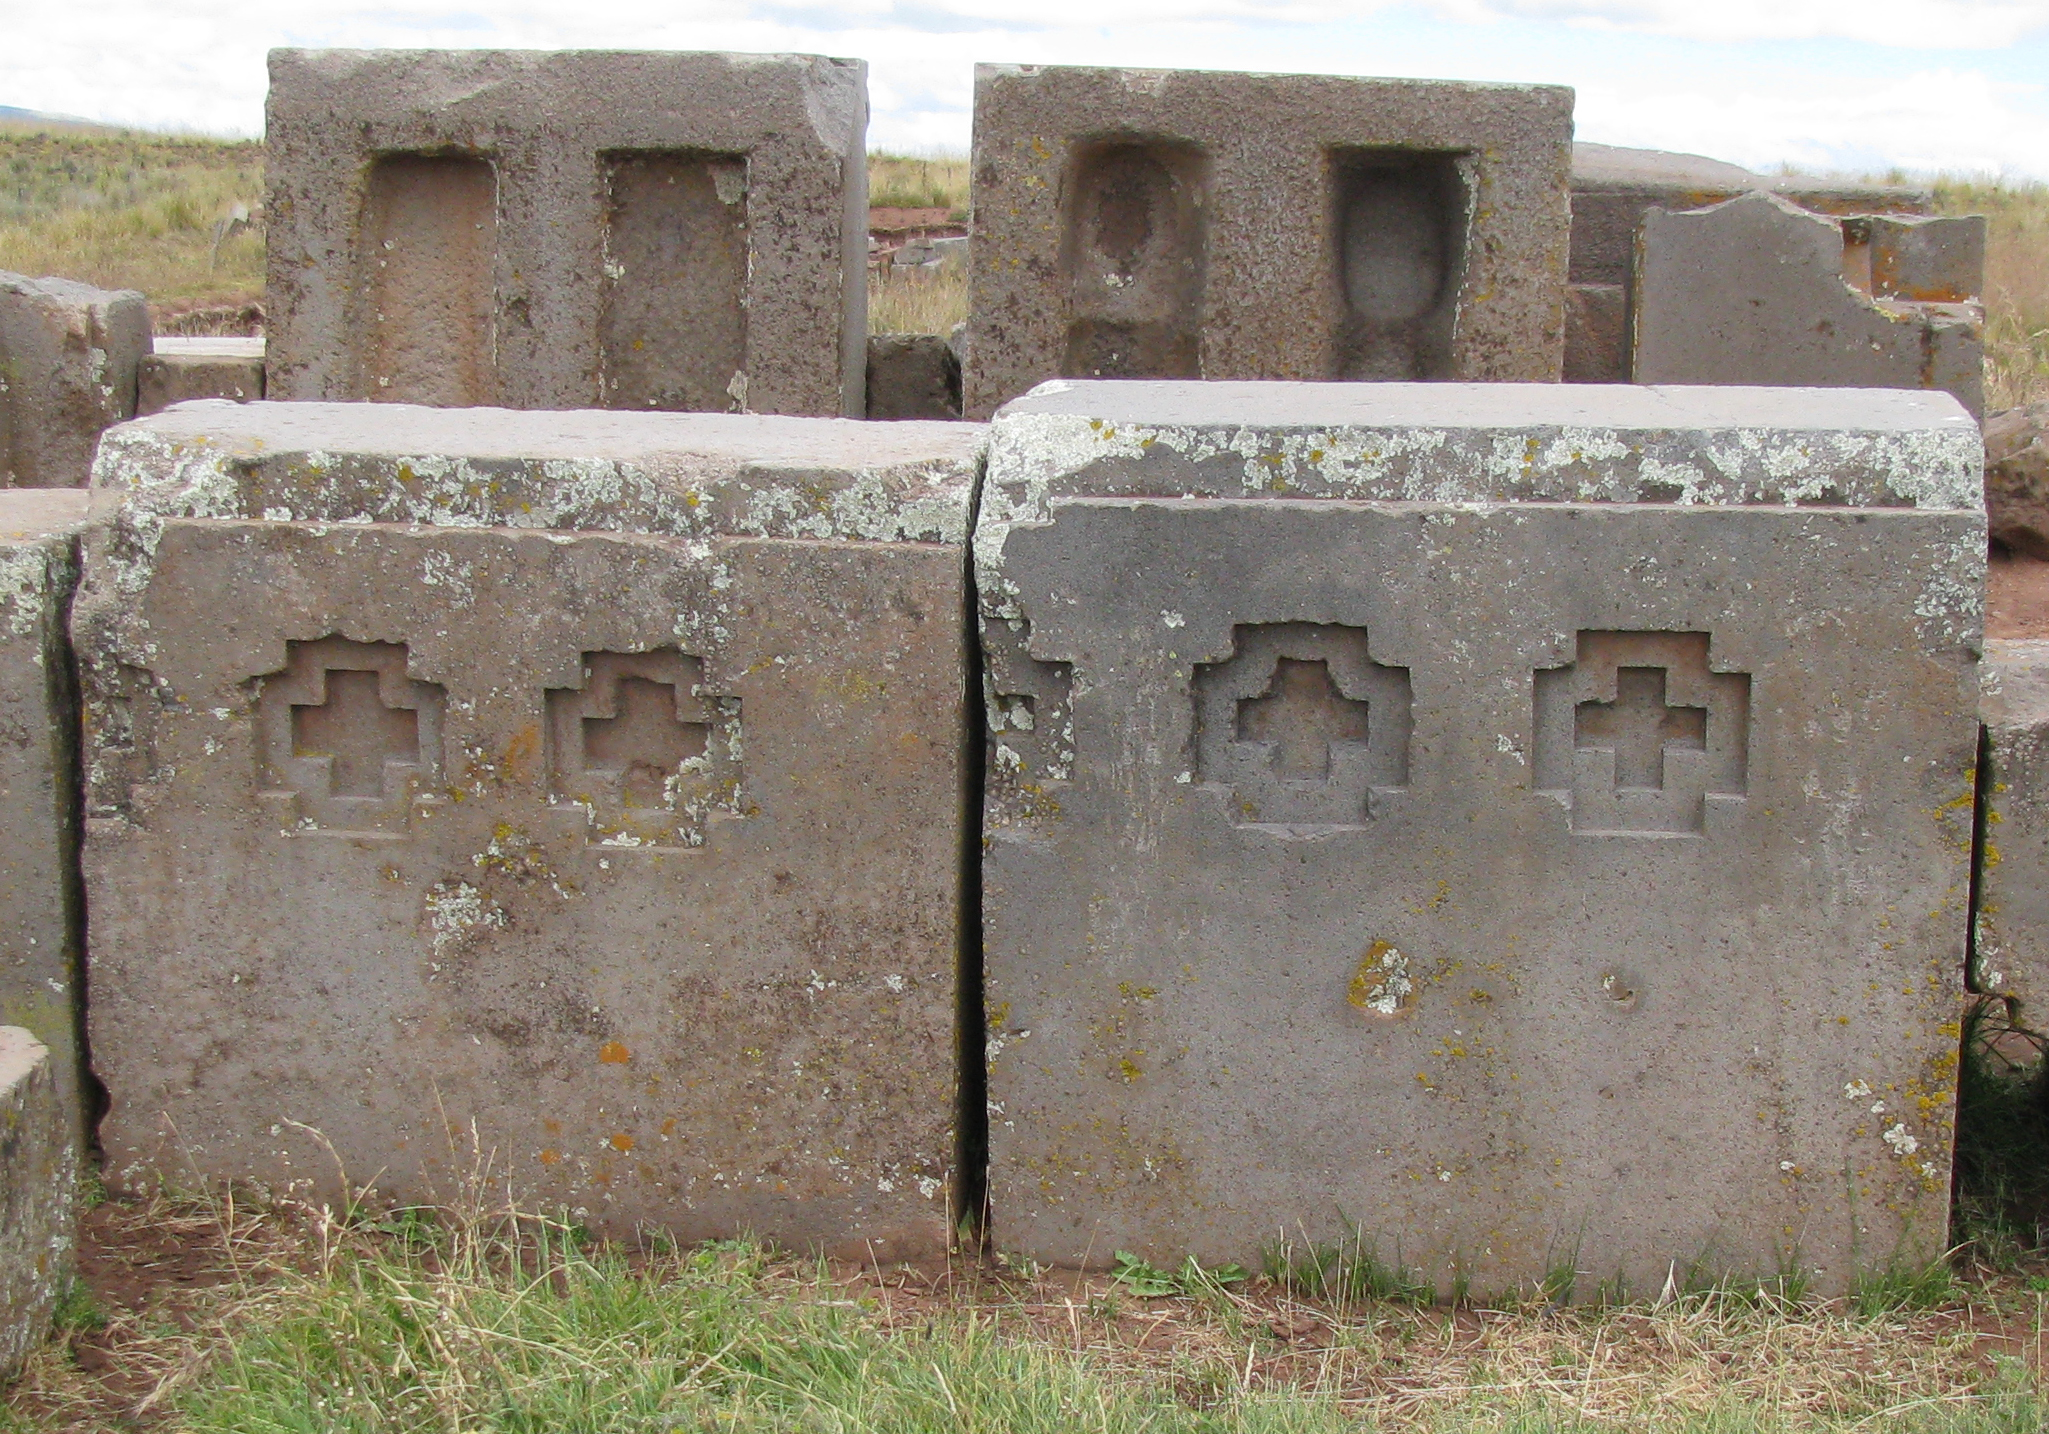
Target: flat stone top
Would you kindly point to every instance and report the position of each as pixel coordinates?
(1153, 79)
(661, 473)
(212, 346)
(20, 1054)
(2013, 682)
(1481, 443)
(27, 514)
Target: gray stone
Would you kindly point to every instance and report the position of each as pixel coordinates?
(2017, 478)
(184, 368)
(1752, 291)
(1922, 260)
(68, 354)
(594, 779)
(568, 229)
(1340, 733)
(1184, 224)
(40, 904)
(2010, 950)
(38, 1196)
(912, 376)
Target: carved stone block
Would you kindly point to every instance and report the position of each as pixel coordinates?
(589, 781)
(1509, 823)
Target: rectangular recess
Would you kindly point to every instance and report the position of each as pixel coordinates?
(1133, 256)
(1398, 246)
(421, 325)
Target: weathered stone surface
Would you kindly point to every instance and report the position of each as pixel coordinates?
(2017, 478)
(568, 229)
(1328, 776)
(1596, 333)
(1184, 224)
(912, 376)
(183, 368)
(1921, 260)
(1752, 291)
(68, 354)
(39, 896)
(38, 1195)
(2010, 952)
(595, 778)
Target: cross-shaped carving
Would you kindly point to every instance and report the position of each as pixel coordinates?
(356, 732)
(642, 745)
(1639, 728)
(1301, 714)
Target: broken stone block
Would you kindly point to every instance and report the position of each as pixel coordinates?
(180, 369)
(2017, 478)
(596, 779)
(568, 229)
(40, 902)
(1388, 839)
(1752, 291)
(912, 376)
(1185, 224)
(38, 1195)
(1921, 260)
(2010, 946)
(68, 354)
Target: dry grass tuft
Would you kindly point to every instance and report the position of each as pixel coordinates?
(2016, 284)
(909, 302)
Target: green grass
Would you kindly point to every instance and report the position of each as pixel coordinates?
(901, 181)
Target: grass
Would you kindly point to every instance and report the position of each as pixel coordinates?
(493, 1321)
(2016, 284)
(902, 181)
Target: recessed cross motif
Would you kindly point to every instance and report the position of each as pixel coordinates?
(1299, 717)
(1640, 735)
(350, 741)
(641, 753)
(1638, 727)
(356, 732)
(1300, 727)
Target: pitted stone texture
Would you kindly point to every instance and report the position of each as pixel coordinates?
(1753, 291)
(2017, 478)
(912, 376)
(39, 896)
(68, 355)
(598, 779)
(568, 229)
(183, 369)
(1184, 224)
(2010, 955)
(38, 1195)
(1581, 878)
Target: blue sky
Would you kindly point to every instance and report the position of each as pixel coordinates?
(1924, 85)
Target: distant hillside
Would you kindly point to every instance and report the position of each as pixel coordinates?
(14, 119)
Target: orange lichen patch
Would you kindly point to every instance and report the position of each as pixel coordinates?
(621, 1142)
(551, 1157)
(614, 1053)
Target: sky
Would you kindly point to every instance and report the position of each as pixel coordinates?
(1959, 86)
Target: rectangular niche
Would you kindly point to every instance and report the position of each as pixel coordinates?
(1399, 224)
(672, 326)
(421, 324)
(1133, 256)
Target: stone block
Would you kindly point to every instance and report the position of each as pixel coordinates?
(68, 355)
(1596, 333)
(1752, 291)
(2017, 478)
(1184, 224)
(912, 376)
(2010, 949)
(568, 229)
(40, 903)
(592, 780)
(38, 1196)
(1337, 736)
(181, 368)
(1922, 260)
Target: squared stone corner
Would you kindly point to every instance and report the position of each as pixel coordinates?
(68, 359)
(568, 229)
(39, 1154)
(1346, 729)
(2010, 947)
(597, 777)
(1191, 224)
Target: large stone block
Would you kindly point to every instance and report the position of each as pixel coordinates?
(912, 376)
(40, 912)
(1184, 224)
(568, 229)
(1518, 823)
(2010, 952)
(38, 1195)
(1753, 291)
(182, 368)
(68, 355)
(590, 780)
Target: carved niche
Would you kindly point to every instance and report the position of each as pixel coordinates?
(348, 741)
